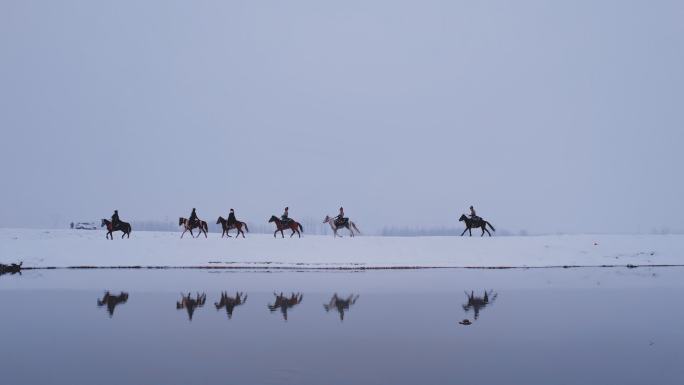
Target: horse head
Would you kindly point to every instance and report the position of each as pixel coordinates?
(104, 222)
(181, 220)
(220, 220)
(462, 218)
(273, 219)
(327, 219)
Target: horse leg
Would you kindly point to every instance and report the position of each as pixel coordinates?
(123, 235)
(470, 231)
(466, 229)
(282, 234)
(485, 229)
(274, 233)
(183, 233)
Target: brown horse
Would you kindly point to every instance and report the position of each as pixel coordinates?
(111, 301)
(188, 226)
(479, 303)
(226, 227)
(230, 302)
(124, 227)
(284, 303)
(190, 304)
(291, 224)
(474, 223)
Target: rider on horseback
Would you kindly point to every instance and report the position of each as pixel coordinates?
(286, 216)
(193, 218)
(115, 219)
(231, 218)
(340, 220)
(473, 215)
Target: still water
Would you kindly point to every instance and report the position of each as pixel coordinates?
(537, 326)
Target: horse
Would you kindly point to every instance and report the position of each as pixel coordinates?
(474, 223)
(230, 302)
(291, 224)
(340, 304)
(226, 227)
(112, 301)
(284, 303)
(187, 226)
(479, 303)
(190, 304)
(124, 227)
(349, 225)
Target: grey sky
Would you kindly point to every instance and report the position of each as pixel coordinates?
(546, 115)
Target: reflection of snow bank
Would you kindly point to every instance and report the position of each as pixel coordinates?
(61, 248)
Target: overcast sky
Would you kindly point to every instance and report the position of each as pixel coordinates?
(549, 116)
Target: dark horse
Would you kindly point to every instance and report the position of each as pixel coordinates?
(474, 223)
(188, 226)
(291, 224)
(111, 301)
(237, 225)
(125, 227)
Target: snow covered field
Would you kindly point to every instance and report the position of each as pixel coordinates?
(70, 248)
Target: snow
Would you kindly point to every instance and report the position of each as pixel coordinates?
(74, 248)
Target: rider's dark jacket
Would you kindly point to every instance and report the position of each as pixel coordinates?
(193, 216)
(285, 216)
(231, 218)
(115, 219)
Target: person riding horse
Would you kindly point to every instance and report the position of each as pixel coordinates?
(115, 219)
(473, 215)
(286, 216)
(340, 219)
(193, 218)
(231, 218)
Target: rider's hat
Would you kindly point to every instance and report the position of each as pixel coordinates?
(231, 209)
(287, 208)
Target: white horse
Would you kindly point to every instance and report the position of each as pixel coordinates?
(351, 226)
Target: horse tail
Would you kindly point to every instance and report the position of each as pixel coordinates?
(246, 228)
(300, 227)
(356, 228)
(490, 225)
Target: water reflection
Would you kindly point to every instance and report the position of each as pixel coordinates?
(230, 302)
(190, 304)
(11, 268)
(478, 303)
(284, 303)
(112, 301)
(340, 304)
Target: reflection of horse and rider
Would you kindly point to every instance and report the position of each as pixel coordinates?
(478, 303)
(341, 304)
(284, 303)
(111, 301)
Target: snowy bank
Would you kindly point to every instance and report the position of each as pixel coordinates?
(72, 248)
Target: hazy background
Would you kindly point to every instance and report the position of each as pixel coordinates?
(548, 116)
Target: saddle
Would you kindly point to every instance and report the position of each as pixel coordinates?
(341, 222)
